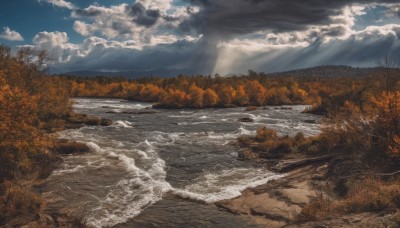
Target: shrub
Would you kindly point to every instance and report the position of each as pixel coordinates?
(367, 195)
(19, 204)
(264, 134)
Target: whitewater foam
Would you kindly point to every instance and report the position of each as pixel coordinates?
(227, 184)
(68, 169)
(130, 196)
(123, 123)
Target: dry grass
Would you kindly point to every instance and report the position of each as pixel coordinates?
(366, 195)
(18, 205)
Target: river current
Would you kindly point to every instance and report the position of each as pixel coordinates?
(163, 169)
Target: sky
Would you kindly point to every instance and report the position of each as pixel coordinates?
(171, 37)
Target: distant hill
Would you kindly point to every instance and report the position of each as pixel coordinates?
(319, 71)
(332, 71)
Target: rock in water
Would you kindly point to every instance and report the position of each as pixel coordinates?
(246, 120)
(105, 122)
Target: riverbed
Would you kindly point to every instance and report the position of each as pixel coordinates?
(166, 168)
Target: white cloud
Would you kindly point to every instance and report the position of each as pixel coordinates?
(56, 44)
(12, 35)
(50, 39)
(82, 28)
(60, 3)
(95, 52)
(147, 22)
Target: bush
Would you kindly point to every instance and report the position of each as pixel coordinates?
(18, 205)
(367, 195)
(264, 134)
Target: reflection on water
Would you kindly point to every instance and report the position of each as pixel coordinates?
(163, 169)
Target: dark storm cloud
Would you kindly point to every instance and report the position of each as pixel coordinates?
(143, 16)
(229, 18)
(193, 24)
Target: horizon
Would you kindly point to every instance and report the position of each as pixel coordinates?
(191, 37)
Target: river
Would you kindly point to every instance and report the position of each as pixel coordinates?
(164, 169)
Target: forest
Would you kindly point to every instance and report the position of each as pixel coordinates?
(254, 89)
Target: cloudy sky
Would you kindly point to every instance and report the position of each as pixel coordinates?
(203, 36)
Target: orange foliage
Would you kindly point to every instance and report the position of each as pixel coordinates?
(386, 124)
(30, 103)
(257, 93)
(20, 134)
(222, 92)
(196, 95)
(210, 98)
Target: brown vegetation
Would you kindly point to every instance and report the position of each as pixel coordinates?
(366, 195)
(33, 105)
(18, 205)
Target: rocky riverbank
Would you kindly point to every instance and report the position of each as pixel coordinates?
(319, 189)
(279, 202)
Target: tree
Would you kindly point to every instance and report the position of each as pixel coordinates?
(226, 95)
(196, 96)
(257, 93)
(210, 98)
(241, 97)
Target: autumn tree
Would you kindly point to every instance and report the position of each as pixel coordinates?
(226, 94)
(210, 98)
(257, 93)
(241, 97)
(196, 95)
